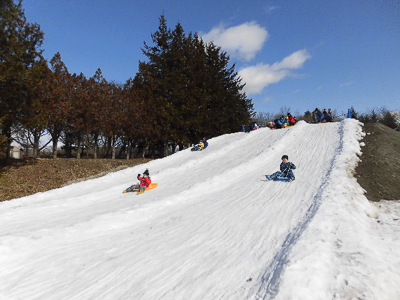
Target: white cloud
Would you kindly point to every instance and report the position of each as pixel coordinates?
(242, 41)
(267, 100)
(293, 61)
(347, 84)
(270, 9)
(261, 75)
(297, 91)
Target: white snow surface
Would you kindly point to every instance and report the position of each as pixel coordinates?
(213, 229)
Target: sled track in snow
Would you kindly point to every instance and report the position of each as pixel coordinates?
(271, 278)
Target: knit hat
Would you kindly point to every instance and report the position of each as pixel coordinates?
(146, 172)
(285, 156)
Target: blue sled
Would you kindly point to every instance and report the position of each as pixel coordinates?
(284, 179)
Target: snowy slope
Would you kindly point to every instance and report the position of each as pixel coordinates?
(213, 229)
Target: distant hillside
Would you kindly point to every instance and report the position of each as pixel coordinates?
(378, 172)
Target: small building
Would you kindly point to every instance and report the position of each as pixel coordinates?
(16, 152)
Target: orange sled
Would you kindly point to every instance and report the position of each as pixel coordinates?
(150, 187)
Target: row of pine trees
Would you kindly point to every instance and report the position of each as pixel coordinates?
(185, 90)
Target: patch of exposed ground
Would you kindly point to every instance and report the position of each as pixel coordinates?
(378, 172)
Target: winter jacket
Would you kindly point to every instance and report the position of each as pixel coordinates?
(319, 116)
(291, 120)
(205, 145)
(287, 168)
(144, 181)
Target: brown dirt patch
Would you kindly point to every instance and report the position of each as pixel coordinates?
(20, 178)
(378, 173)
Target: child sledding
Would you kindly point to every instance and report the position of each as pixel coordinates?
(285, 173)
(143, 185)
(203, 144)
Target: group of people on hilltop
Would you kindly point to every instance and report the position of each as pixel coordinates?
(282, 122)
(322, 116)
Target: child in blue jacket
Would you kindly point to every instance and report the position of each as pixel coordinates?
(285, 173)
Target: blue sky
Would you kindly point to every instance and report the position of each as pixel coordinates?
(293, 54)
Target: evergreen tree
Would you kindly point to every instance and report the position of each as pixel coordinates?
(149, 116)
(374, 116)
(159, 69)
(388, 119)
(59, 104)
(19, 52)
(307, 117)
(199, 93)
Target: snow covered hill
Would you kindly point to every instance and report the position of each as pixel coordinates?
(213, 229)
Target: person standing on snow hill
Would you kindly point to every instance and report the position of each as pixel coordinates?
(285, 173)
(145, 181)
(324, 116)
(317, 115)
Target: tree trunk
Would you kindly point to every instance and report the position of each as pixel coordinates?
(55, 141)
(96, 147)
(107, 148)
(78, 153)
(113, 148)
(122, 150)
(128, 149)
(35, 145)
(142, 150)
(9, 140)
